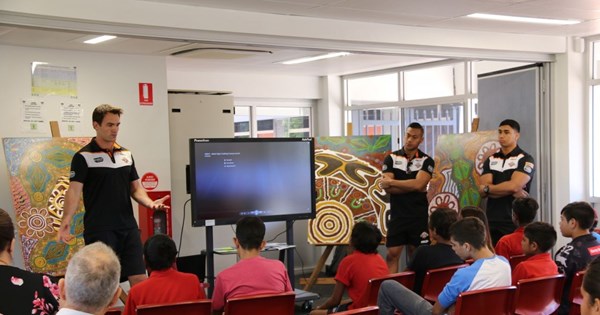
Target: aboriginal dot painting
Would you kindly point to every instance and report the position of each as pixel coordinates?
(39, 177)
(348, 174)
(458, 166)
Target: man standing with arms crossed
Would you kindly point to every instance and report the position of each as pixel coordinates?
(506, 175)
(406, 173)
(105, 172)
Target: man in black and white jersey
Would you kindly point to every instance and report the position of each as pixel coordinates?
(105, 172)
(506, 175)
(406, 173)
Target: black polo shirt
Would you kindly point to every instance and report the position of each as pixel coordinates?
(502, 168)
(106, 182)
(411, 204)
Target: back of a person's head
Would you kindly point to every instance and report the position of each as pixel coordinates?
(469, 230)
(541, 233)
(441, 219)
(92, 278)
(591, 280)
(511, 123)
(525, 209)
(365, 237)
(472, 211)
(581, 211)
(7, 230)
(250, 232)
(160, 252)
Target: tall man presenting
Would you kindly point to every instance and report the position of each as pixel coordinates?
(506, 175)
(406, 173)
(105, 172)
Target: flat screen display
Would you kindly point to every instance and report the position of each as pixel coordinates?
(273, 178)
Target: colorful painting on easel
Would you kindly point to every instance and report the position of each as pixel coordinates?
(39, 178)
(348, 172)
(458, 166)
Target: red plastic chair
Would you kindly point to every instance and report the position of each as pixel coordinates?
(406, 278)
(575, 296)
(367, 310)
(265, 304)
(515, 260)
(436, 279)
(198, 307)
(539, 295)
(114, 311)
(492, 301)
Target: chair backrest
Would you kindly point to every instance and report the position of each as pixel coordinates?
(198, 307)
(515, 260)
(406, 278)
(492, 301)
(436, 279)
(367, 310)
(539, 295)
(114, 311)
(575, 296)
(264, 304)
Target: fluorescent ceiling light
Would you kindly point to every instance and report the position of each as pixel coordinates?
(100, 39)
(319, 57)
(521, 19)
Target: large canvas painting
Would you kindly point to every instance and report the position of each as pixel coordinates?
(458, 166)
(39, 177)
(348, 175)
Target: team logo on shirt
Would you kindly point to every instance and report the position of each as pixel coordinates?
(493, 162)
(594, 250)
(528, 167)
(98, 159)
(384, 167)
(72, 174)
(430, 169)
(125, 160)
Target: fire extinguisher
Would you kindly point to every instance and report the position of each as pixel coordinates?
(160, 222)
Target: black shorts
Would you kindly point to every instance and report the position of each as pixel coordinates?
(127, 244)
(407, 232)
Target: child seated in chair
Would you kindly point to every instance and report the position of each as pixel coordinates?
(165, 284)
(356, 269)
(253, 274)
(538, 240)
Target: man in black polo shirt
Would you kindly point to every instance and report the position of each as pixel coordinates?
(105, 173)
(506, 175)
(406, 173)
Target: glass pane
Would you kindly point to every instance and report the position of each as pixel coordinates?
(596, 142)
(596, 60)
(372, 90)
(241, 122)
(283, 122)
(436, 120)
(429, 83)
(371, 122)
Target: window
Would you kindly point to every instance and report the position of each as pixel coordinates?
(287, 120)
(595, 127)
(373, 89)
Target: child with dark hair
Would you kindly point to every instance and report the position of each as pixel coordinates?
(356, 269)
(590, 289)
(473, 211)
(165, 284)
(468, 238)
(524, 211)
(576, 219)
(253, 274)
(538, 240)
(438, 255)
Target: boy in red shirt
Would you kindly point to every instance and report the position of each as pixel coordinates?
(356, 269)
(538, 240)
(524, 211)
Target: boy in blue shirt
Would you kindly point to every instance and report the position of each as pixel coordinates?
(468, 238)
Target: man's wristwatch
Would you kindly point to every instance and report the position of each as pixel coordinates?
(486, 189)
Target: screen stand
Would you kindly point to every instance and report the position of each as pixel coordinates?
(210, 260)
(289, 239)
(210, 255)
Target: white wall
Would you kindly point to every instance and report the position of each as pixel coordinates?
(101, 78)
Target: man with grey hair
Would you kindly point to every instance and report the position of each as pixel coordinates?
(91, 284)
